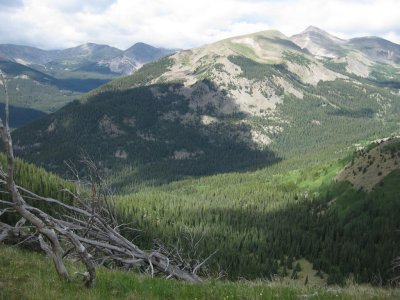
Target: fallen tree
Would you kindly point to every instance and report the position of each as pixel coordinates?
(88, 229)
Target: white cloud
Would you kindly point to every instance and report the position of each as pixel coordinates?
(184, 24)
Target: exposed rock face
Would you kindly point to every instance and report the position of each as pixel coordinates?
(358, 54)
(243, 94)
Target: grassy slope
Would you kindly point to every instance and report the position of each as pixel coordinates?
(26, 275)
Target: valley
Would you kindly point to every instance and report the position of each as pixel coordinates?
(278, 155)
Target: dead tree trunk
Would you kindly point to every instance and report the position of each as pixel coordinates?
(56, 252)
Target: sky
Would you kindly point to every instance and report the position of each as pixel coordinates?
(57, 24)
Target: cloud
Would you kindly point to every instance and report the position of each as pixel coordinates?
(183, 24)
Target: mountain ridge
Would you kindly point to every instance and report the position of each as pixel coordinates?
(249, 88)
(357, 53)
(91, 51)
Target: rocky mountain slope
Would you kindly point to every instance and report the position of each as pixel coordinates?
(260, 93)
(324, 45)
(319, 43)
(362, 56)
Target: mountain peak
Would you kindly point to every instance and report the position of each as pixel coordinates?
(141, 44)
(91, 46)
(144, 53)
(312, 28)
(269, 33)
(140, 47)
(274, 33)
(319, 42)
(318, 31)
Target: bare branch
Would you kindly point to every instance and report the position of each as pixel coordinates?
(203, 262)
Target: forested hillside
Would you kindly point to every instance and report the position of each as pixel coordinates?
(264, 222)
(271, 222)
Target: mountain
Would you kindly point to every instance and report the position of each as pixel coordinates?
(87, 57)
(144, 53)
(377, 49)
(25, 54)
(365, 56)
(134, 57)
(197, 111)
(47, 80)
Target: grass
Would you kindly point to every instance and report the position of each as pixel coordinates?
(27, 275)
(243, 50)
(311, 178)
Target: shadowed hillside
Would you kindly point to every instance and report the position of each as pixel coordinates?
(20, 116)
(154, 128)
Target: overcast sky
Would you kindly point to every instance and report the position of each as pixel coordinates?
(55, 24)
